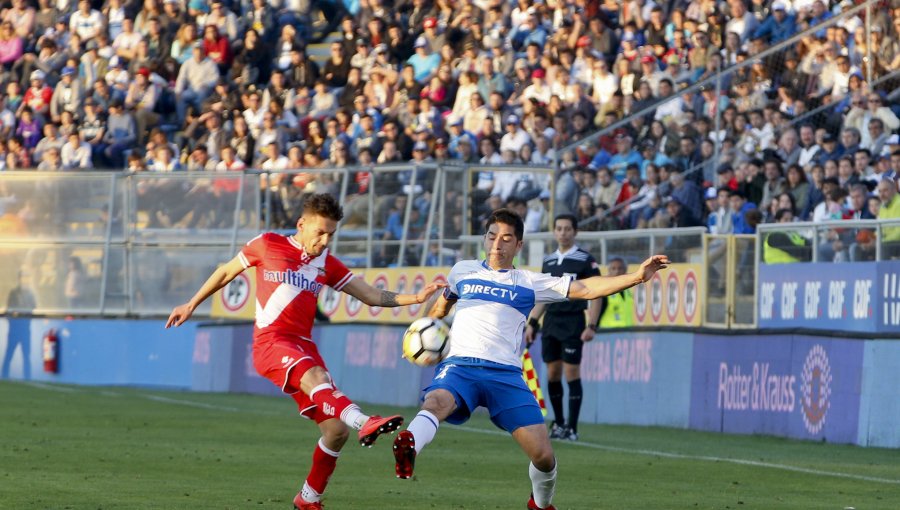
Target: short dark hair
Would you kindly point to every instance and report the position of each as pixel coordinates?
(507, 217)
(566, 216)
(324, 205)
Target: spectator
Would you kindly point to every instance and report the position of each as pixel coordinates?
(251, 61)
(120, 134)
(774, 183)
(141, 99)
(625, 156)
(200, 161)
(778, 26)
(830, 150)
(739, 208)
(719, 220)
(93, 127)
(423, 62)
(850, 138)
(126, 41)
(76, 154)
(39, 96)
(216, 47)
(29, 128)
(86, 22)
(50, 161)
(860, 118)
(164, 160)
(808, 146)
(11, 46)
(51, 139)
(196, 79)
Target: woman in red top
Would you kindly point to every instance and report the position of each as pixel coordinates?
(216, 47)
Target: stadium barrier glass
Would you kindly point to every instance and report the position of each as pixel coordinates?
(96, 243)
(729, 292)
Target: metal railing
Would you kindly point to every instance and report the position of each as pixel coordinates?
(633, 246)
(839, 240)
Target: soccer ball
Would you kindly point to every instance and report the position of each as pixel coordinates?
(426, 342)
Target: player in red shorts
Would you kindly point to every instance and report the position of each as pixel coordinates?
(290, 273)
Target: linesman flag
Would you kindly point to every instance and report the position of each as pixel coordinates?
(531, 378)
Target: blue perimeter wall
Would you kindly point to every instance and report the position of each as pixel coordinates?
(800, 386)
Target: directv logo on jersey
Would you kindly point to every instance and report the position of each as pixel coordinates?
(294, 278)
(470, 288)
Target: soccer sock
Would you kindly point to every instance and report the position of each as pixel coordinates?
(423, 427)
(324, 461)
(575, 393)
(543, 485)
(334, 403)
(555, 392)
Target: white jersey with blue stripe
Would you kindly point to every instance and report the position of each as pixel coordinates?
(492, 307)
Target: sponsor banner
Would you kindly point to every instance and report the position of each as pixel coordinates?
(365, 362)
(638, 378)
(342, 308)
(832, 296)
(237, 300)
(795, 386)
(886, 296)
(670, 298)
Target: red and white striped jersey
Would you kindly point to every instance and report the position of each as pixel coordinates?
(288, 283)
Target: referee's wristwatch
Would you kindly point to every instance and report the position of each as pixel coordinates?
(593, 327)
(534, 323)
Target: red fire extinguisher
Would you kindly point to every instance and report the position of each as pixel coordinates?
(51, 352)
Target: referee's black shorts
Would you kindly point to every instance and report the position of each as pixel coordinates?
(561, 338)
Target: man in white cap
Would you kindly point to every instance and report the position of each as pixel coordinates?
(777, 27)
(67, 96)
(423, 61)
(38, 95)
(515, 136)
(457, 134)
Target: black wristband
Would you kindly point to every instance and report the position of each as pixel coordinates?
(593, 327)
(534, 323)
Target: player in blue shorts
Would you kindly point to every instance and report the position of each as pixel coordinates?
(493, 300)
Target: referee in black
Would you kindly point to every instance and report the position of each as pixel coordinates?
(565, 328)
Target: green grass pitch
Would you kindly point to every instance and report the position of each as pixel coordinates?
(68, 447)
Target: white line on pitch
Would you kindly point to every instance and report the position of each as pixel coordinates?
(652, 453)
(671, 455)
(191, 403)
(51, 387)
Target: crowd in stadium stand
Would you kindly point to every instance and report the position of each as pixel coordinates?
(222, 85)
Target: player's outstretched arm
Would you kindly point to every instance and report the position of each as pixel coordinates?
(377, 297)
(599, 286)
(218, 279)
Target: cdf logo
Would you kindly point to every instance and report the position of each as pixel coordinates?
(815, 389)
